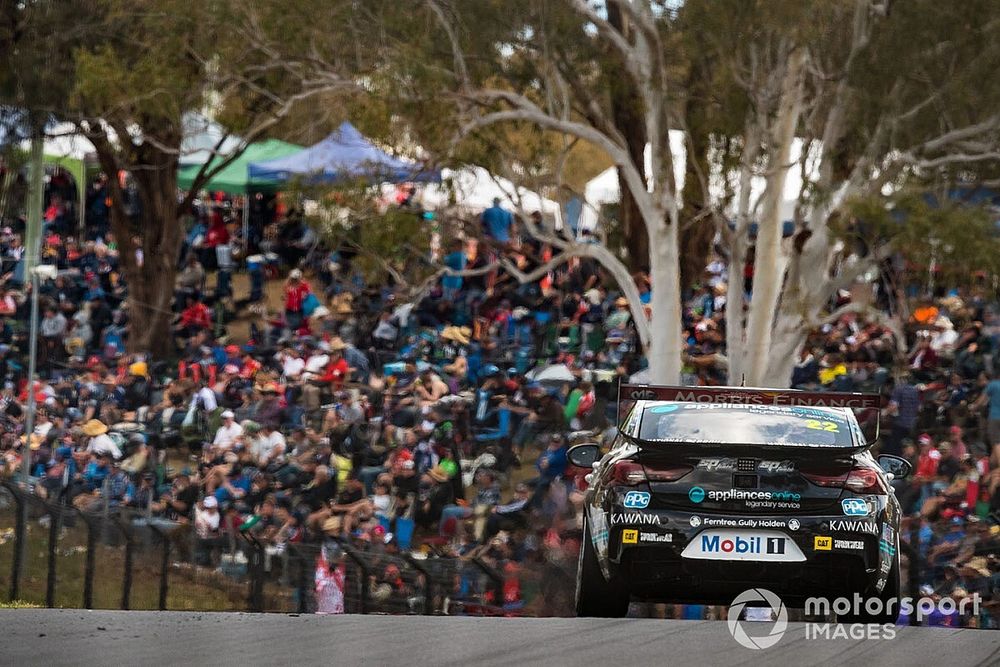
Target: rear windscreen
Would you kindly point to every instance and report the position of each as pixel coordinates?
(746, 424)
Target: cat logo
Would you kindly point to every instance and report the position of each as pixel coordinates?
(822, 543)
(630, 537)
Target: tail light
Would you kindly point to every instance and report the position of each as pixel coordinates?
(858, 480)
(630, 473)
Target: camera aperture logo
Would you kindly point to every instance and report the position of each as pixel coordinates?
(766, 617)
(757, 597)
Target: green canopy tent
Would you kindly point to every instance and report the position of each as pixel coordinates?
(234, 179)
(78, 170)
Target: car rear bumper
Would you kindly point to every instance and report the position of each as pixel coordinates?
(652, 566)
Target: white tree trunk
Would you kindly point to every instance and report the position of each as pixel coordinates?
(664, 353)
(786, 344)
(735, 341)
(770, 261)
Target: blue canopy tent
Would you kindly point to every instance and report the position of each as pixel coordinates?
(343, 156)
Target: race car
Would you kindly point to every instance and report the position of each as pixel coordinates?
(706, 492)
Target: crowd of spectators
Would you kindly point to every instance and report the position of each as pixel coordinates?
(351, 415)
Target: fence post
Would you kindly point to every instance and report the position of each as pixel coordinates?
(353, 554)
(19, 540)
(91, 563)
(129, 557)
(914, 569)
(303, 581)
(495, 576)
(255, 603)
(164, 565)
(55, 519)
(428, 585)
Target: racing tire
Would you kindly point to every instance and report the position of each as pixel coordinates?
(595, 595)
(888, 596)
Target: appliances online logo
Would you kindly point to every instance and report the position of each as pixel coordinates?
(698, 494)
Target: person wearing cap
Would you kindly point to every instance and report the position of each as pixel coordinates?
(144, 494)
(208, 528)
(98, 442)
(337, 370)
(552, 462)
(927, 461)
(296, 291)
(228, 432)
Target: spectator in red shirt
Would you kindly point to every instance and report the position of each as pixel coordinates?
(296, 291)
(337, 371)
(927, 462)
(194, 318)
(217, 233)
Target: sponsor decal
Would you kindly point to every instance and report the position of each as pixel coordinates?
(748, 494)
(756, 545)
(646, 538)
(753, 499)
(636, 500)
(846, 526)
(887, 548)
(725, 464)
(854, 506)
(885, 566)
(741, 396)
(695, 521)
(888, 534)
(822, 543)
(849, 544)
(696, 494)
(635, 518)
(793, 524)
(712, 522)
(630, 536)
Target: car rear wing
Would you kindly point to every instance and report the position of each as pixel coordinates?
(866, 407)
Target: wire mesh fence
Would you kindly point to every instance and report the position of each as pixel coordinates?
(54, 554)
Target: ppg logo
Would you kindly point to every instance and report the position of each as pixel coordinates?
(636, 500)
(854, 507)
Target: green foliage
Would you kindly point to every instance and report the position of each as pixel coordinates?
(959, 238)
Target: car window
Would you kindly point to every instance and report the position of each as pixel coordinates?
(752, 425)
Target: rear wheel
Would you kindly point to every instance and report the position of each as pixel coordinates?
(889, 598)
(595, 595)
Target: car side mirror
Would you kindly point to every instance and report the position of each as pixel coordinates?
(584, 456)
(897, 466)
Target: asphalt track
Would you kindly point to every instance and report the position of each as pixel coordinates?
(74, 637)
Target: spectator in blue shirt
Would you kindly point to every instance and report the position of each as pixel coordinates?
(96, 471)
(992, 396)
(552, 462)
(455, 260)
(497, 222)
(904, 405)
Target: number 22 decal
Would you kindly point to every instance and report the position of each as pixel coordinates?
(817, 425)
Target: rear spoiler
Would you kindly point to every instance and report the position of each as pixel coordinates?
(866, 407)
